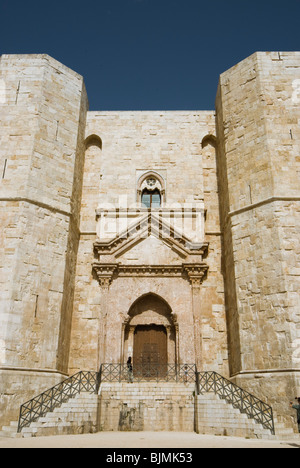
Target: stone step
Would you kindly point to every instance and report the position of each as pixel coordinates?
(12, 426)
(149, 386)
(285, 433)
(11, 430)
(77, 415)
(149, 406)
(10, 434)
(216, 416)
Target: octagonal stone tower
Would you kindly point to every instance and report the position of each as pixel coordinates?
(258, 116)
(43, 110)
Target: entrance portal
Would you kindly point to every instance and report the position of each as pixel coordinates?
(150, 345)
(150, 351)
(150, 333)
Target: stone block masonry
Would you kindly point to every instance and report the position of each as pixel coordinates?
(258, 128)
(41, 134)
(147, 406)
(179, 146)
(84, 275)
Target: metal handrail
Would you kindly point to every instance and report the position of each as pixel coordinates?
(52, 398)
(185, 373)
(252, 406)
(89, 381)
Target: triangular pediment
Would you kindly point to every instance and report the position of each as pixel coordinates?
(150, 230)
(150, 251)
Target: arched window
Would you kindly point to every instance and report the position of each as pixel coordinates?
(151, 190)
(151, 199)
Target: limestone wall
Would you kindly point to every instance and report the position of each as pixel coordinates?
(146, 406)
(64, 171)
(42, 121)
(121, 146)
(258, 126)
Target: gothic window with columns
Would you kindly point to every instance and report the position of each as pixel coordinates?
(151, 190)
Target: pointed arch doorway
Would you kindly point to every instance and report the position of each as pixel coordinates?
(150, 334)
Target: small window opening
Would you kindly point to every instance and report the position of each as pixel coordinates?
(4, 168)
(36, 306)
(151, 190)
(151, 199)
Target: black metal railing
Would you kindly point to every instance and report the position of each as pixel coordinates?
(148, 372)
(239, 398)
(32, 410)
(87, 381)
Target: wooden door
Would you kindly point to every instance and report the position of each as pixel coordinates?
(150, 350)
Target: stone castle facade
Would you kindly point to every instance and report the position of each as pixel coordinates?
(166, 236)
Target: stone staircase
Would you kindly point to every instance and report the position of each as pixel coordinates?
(143, 406)
(215, 416)
(147, 406)
(11, 430)
(78, 415)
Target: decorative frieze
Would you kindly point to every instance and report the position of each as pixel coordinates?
(106, 272)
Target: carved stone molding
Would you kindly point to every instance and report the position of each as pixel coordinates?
(150, 224)
(150, 270)
(106, 272)
(189, 253)
(196, 272)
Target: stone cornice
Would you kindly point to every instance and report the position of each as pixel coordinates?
(46, 206)
(159, 212)
(267, 201)
(106, 272)
(141, 229)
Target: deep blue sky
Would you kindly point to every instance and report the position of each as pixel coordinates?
(149, 54)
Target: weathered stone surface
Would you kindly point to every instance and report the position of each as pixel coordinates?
(41, 133)
(146, 407)
(257, 115)
(83, 264)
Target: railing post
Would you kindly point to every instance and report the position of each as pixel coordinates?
(98, 379)
(197, 382)
(272, 424)
(80, 381)
(215, 382)
(51, 400)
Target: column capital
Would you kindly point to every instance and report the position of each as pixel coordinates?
(105, 272)
(196, 273)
